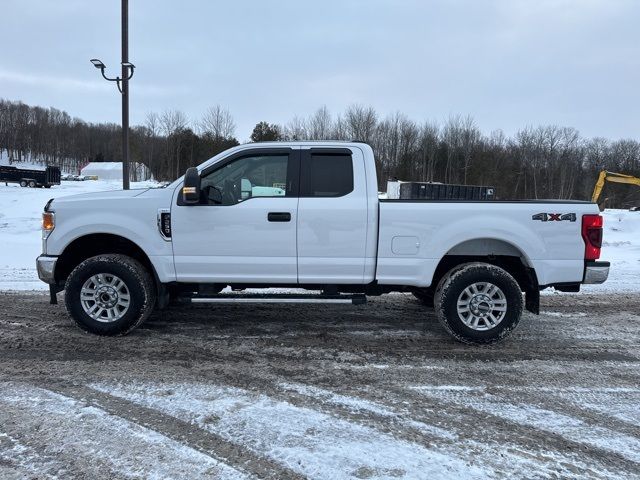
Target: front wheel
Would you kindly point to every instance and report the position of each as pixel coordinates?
(478, 303)
(110, 294)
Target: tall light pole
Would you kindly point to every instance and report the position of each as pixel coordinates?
(123, 87)
(125, 94)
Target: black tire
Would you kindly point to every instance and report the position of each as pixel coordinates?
(425, 295)
(23, 183)
(139, 284)
(32, 184)
(473, 275)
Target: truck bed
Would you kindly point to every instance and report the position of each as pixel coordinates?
(414, 235)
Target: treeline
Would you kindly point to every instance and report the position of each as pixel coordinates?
(537, 162)
(167, 144)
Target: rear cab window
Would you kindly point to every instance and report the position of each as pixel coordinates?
(326, 173)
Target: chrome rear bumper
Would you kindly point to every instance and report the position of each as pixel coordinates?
(46, 268)
(596, 272)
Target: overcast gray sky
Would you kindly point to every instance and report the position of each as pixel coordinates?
(508, 63)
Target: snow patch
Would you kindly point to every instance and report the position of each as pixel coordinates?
(126, 449)
(561, 424)
(309, 442)
(20, 221)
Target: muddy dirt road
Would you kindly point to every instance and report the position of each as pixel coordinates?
(378, 391)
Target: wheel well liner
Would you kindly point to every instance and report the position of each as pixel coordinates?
(94, 244)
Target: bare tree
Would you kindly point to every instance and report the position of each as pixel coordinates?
(319, 124)
(429, 142)
(470, 135)
(360, 123)
(339, 129)
(296, 129)
(452, 138)
(172, 122)
(218, 123)
(152, 122)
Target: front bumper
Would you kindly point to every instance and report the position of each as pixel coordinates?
(46, 268)
(596, 272)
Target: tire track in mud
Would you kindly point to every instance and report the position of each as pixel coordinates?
(435, 415)
(282, 356)
(370, 357)
(204, 441)
(314, 443)
(528, 432)
(423, 420)
(56, 436)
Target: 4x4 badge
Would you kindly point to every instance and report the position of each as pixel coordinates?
(554, 217)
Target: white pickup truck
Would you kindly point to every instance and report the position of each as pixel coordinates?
(308, 215)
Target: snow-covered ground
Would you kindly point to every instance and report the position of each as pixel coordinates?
(621, 246)
(20, 241)
(20, 219)
(372, 392)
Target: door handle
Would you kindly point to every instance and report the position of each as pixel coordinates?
(279, 216)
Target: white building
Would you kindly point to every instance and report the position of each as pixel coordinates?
(113, 171)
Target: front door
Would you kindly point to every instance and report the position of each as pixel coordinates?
(244, 230)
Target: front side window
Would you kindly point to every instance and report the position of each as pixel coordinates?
(248, 177)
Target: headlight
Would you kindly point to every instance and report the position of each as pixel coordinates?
(48, 223)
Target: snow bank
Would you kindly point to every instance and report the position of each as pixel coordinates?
(621, 247)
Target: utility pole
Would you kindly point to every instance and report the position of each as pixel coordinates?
(123, 87)
(125, 94)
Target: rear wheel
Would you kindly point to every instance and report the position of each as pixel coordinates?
(478, 303)
(32, 184)
(23, 183)
(110, 294)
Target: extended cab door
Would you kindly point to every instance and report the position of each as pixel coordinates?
(248, 234)
(333, 217)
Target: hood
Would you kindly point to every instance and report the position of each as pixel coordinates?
(98, 196)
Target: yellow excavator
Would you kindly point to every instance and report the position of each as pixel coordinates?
(611, 177)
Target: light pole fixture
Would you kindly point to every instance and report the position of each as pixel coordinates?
(122, 83)
(130, 66)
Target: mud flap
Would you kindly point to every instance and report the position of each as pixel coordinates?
(53, 295)
(532, 301)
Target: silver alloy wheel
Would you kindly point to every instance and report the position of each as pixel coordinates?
(105, 297)
(482, 306)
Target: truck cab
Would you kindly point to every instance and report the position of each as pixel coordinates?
(278, 215)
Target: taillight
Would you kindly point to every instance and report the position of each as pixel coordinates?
(592, 235)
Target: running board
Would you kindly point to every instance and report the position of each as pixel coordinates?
(357, 299)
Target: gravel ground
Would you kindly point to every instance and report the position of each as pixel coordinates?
(377, 391)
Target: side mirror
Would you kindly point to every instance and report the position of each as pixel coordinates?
(191, 187)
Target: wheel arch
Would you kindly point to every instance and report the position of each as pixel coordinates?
(498, 252)
(93, 244)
